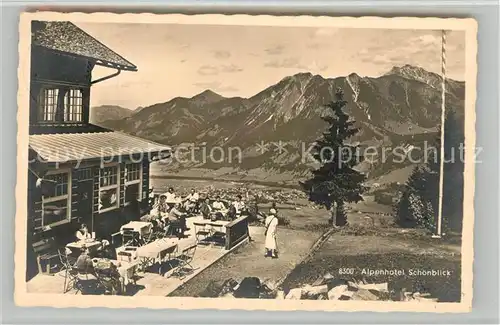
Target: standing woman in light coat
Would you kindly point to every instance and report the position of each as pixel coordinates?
(271, 224)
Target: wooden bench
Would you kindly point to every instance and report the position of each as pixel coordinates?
(236, 231)
(46, 251)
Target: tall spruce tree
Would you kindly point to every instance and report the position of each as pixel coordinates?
(335, 182)
(422, 188)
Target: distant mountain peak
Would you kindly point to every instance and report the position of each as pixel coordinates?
(208, 93)
(208, 96)
(408, 69)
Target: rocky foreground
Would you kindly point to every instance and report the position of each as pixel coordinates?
(325, 288)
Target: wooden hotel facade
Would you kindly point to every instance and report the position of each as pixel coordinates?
(78, 172)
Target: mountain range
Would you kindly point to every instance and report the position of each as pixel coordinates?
(401, 107)
(101, 114)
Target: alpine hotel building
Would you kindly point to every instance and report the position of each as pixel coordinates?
(78, 172)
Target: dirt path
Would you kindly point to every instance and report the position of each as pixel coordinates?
(249, 261)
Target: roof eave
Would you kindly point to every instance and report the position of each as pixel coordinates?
(100, 62)
(113, 65)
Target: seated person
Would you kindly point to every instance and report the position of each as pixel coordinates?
(218, 207)
(151, 194)
(108, 275)
(83, 233)
(231, 213)
(107, 251)
(191, 200)
(170, 198)
(176, 219)
(239, 205)
(162, 207)
(84, 262)
(205, 209)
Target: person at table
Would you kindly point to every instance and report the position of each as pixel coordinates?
(107, 251)
(83, 233)
(162, 207)
(205, 209)
(191, 200)
(218, 208)
(176, 219)
(231, 213)
(171, 196)
(218, 205)
(84, 261)
(108, 275)
(239, 204)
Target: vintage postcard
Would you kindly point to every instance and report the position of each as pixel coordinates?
(246, 162)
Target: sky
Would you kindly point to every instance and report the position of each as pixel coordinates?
(184, 60)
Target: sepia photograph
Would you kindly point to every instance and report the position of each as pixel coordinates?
(297, 163)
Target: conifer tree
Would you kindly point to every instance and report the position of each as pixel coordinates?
(422, 188)
(335, 182)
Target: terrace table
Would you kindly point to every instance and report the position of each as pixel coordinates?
(215, 228)
(91, 244)
(156, 251)
(218, 223)
(141, 227)
(126, 270)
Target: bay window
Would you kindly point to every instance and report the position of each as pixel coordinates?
(56, 203)
(133, 182)
(109, 189)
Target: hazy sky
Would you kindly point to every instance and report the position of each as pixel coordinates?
(183, 60)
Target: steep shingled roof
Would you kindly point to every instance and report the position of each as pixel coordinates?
(66, 37)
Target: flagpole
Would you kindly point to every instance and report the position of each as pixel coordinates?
(443, 116)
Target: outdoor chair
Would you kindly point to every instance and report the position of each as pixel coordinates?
(148, 238)
(166, 257)
(218, 235)
(201, 231)
(72, 274)
(184, 261)
(46, 252)
(117, 239)
(173, 229)
(65, 259)
(130, 237)
(109, 282)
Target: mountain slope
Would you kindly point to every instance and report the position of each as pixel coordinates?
(400, 108)
(100, 115)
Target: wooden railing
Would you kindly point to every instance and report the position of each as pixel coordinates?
(236, 231)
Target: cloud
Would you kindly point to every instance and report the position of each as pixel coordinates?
(184, 46)
(379, 59)
(426, 40)
(275, 50)
(419, 50)
(284, 63)
(210, 70)
(295, 63)
(230, 68)
(222, 54)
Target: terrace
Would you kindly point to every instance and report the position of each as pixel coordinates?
(156, 269)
